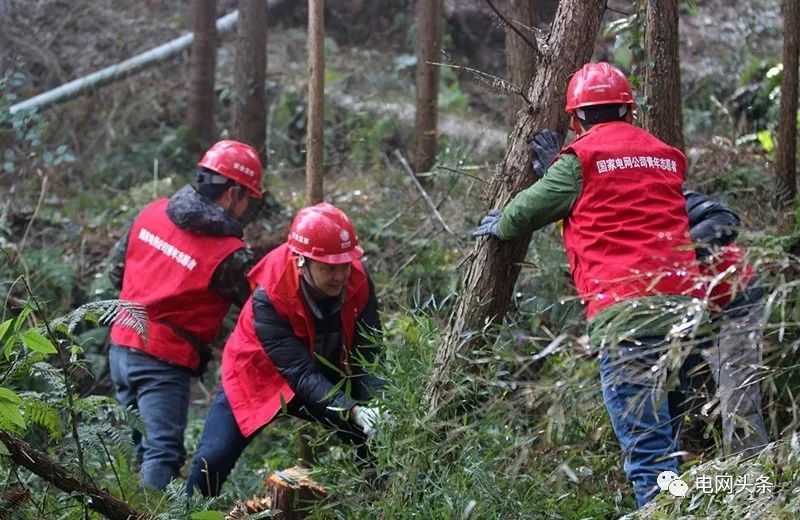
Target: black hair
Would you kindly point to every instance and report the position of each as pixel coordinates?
(594, 115)
(207, 187)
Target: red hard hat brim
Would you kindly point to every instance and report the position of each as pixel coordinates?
(573, 108)
(338, 258)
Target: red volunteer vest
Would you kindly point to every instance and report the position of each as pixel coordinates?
(725, 286)
(254, 387)
(628, 233)
(168, 269)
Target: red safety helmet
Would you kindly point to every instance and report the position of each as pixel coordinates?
(237, 161)
(324, 233)
(598, 84)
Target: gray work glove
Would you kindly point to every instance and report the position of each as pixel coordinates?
(488, 225)
(545, 147)
(367, 419)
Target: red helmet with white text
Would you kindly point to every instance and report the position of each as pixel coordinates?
(237, 161)
(324, 233)
(598, 84)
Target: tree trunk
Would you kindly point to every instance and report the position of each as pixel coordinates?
(40, 464)
(250, 108)
(493, 266)
(662, 73)
(786, 152)
(202, 64)
(429, 43)
(315, 139)
(519, 55)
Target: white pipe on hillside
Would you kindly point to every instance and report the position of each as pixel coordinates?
(123, 69)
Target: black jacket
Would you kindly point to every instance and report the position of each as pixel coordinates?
(318, 385)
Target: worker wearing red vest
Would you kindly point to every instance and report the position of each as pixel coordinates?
(734, 356)
(303, 332)
(618, 190)
(184, 261)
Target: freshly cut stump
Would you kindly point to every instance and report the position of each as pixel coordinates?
(291, 491)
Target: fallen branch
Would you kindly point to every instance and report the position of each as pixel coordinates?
(422, 191)
(37, 462)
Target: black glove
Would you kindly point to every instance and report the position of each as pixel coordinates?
(488, 225)
(545, 147)
(711, 223)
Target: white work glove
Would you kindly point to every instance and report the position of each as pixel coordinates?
(367, 419)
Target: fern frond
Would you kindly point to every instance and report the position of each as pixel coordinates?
(48, 417)
(104, 312)
(51, 375)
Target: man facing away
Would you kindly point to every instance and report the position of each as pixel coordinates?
(184, 259)
(618, 190)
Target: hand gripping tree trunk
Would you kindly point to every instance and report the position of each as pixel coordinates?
(492, 267)
(662, 73)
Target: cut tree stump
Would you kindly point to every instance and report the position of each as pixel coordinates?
(290, 491)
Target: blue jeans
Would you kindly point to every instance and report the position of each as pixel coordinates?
(222, 443)
(636, 399)
(160, 391)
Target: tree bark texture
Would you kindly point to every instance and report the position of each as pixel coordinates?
(429, 43)
(202, 66)
(519, 55)
(250, 108)
(786, 152)
(492, 266)
(315, 139)
(40, 464)
(662, 73)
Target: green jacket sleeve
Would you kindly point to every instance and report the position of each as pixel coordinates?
(548, 200)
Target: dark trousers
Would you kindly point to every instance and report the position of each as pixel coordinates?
(222, 443)
(160, 391)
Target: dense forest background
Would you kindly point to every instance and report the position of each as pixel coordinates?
(524, 434)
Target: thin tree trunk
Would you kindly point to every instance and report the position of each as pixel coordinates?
(520, 57)
(429, 43)
(786, 152)
(493, 266)
(37, 462)
(202, 65)
(250, 107)
(662, 73)
(315, 139)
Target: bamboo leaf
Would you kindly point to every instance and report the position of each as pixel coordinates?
(208, 515)
(4, 327)
(37, 342)
(9, 408)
